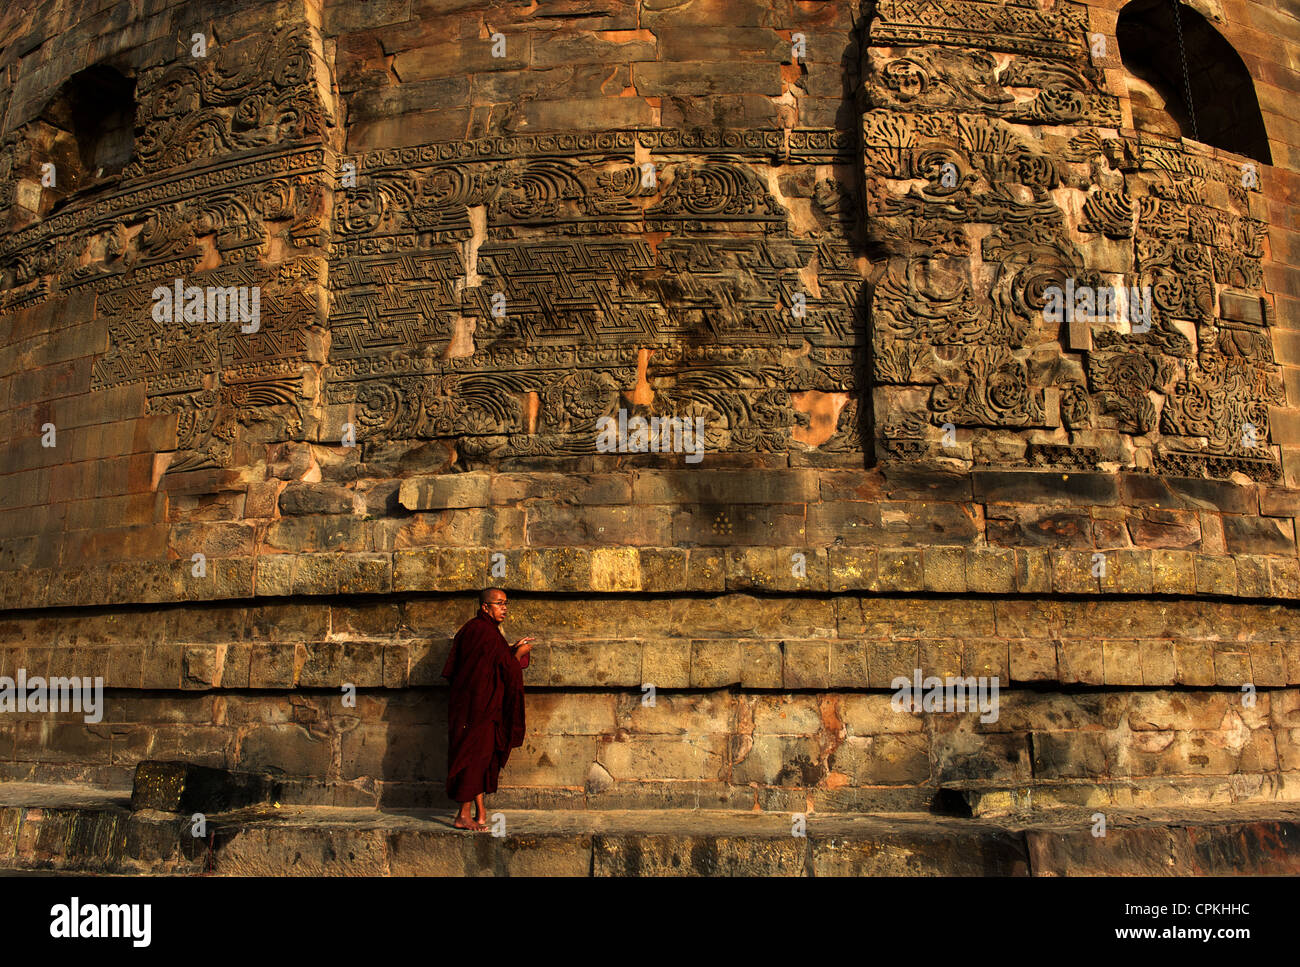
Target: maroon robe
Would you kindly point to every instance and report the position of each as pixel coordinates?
(485, 710)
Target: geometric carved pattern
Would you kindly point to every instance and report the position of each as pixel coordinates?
(565, 244)
(226, 189)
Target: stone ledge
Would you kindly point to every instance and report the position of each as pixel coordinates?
(811, 569)
(568, 661)
(86, 832)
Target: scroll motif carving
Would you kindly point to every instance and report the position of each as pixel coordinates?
(974, 221)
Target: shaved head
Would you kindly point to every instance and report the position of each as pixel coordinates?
(492, 604)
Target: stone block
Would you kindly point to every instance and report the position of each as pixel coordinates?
(987, 658)
(806, 663)
(315, 498)
(1033, 660)
(663, 568)
(1159, 664)
(274, 575)
(396, 665)
(559, 569)
(586, 663)
(273, 666)
(884, 759)
(1173, 572)
(874, 714)
(706, 570)
(1284, 577)
(1215, 574)
(1223, 496)
(1068, 489)
(364, 573)
(1121, 661)
(1127, 572)
(446, 491)
(666, 79)
(585, 713)
(316, 574)
(429, 657)
(848, 664)
(288, 749)
(697, 713)
(1267, 664)
(237, 665)
(666, 663)
(472, 568)
(887, 660)
(1248, 534)
(1033, 571)
(852, 568)
(1232, 664)
(900, 570)
(990, 570)
(162, 666)
(180, 787)
(588, 47)
(715, 663)
(1072, 573)
(322, 665)
(553, 524)
(941, 657)
(667, 758)
(1080, 661)
(945, 569)
(615, 569)
(1038, 525)
(721, 487)
(1252, 576)
(1194, 662)
(1067, 755)
(1158, 527)
(760, 664)
(780, 760)
(125, 667)
(361, 663)
(729, 525)
(202, 666)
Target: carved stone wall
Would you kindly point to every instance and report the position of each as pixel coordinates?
(996, 169)
(478, 228)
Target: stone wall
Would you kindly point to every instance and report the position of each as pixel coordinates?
(771, 700)
(476, 229)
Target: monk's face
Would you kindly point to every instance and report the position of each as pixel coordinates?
(495, 608)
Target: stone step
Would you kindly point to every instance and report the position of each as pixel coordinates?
(76, 829)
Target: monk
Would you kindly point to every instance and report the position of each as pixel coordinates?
(485, 714)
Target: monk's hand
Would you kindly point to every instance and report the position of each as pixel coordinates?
(524, 645)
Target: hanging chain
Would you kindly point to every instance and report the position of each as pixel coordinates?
(1187, 78)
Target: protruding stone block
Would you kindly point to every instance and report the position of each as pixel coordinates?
(179, 787)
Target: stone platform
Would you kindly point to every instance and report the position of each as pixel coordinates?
(74, 829)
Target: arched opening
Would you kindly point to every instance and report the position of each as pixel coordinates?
(1224, 109)
(87, 131)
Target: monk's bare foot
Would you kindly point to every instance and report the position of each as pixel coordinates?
(464, 822)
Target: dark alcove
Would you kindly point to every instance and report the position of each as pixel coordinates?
(1223, 100)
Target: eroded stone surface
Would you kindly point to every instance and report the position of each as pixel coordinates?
(835, 260)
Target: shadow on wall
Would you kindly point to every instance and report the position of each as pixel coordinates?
(1224, 109)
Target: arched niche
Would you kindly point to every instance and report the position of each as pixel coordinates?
(1223, 99)
(87, 130)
